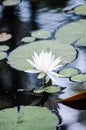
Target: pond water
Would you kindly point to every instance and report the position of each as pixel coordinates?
(20, 20)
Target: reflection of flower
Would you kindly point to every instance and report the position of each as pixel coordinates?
(45, 64)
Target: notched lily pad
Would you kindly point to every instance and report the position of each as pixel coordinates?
(31, 117)
(80, 10)
(81, 41)
(79, 78)
(72, 32)
(68, 72)
(41, 34)
(17, 58)
(28, 39)
(10, 2)
(4, 48)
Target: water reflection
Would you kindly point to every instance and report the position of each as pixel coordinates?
(23, 11)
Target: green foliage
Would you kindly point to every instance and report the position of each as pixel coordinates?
(28, 39)
(41, 34)
(17, 58)
(10, 2)
(72, 32)
(52, 89)
(49, 89)
(79, 78)
(80, 10)
(4, 48)
(3, 55)
(30, 118)
(67, 72)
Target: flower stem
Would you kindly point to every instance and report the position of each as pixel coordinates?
(45, 81)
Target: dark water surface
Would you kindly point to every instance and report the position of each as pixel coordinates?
(20, 21)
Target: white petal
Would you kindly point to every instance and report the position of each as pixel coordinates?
(32, 71)
(52, 77)
(56, 74)
(41, 75)
(31, 62)
(56, 61)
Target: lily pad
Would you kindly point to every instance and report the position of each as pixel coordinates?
(10, 2)
(77, 101)
(3, 55)
(52, 89)
(79, 78)
(67, 72)
(81, 41)
(41, 34)
(4, 48)
(39, 90)
(30, 118)
(71, 32)
(28, 39)
(80, 10)
(49, 89)
(17, 58)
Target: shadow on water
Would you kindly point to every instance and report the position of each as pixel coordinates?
(20, 20)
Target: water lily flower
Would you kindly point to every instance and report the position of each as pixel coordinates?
(45, 63)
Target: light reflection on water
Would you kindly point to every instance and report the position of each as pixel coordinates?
(25, 12)
(49, 19)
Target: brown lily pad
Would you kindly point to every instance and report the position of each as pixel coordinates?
(77, 101)
(5, 36)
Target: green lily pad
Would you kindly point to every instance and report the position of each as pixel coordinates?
(80, 10)
(31, 118)
(39, 90)
(81, 41)
(49, 89)
(28, 39)
(17, 58)
(4, 48)
(79, 78)
(68, 72)
(52, 89)
(3, 55)
(41, 34)
(71, 32)
(10, 2)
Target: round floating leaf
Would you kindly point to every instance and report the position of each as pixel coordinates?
(52, 89)
(31, 118)
(3, 55)
(41, 34)
(81, 41)
(17, 58)
(4, 48)
(79, 78)
(28, 39)
(71, 32)
(10, 2)
(80, 10)
(5, 36)
(68, 72)
(39, 90)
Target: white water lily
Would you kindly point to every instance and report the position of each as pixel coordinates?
(45, 63)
